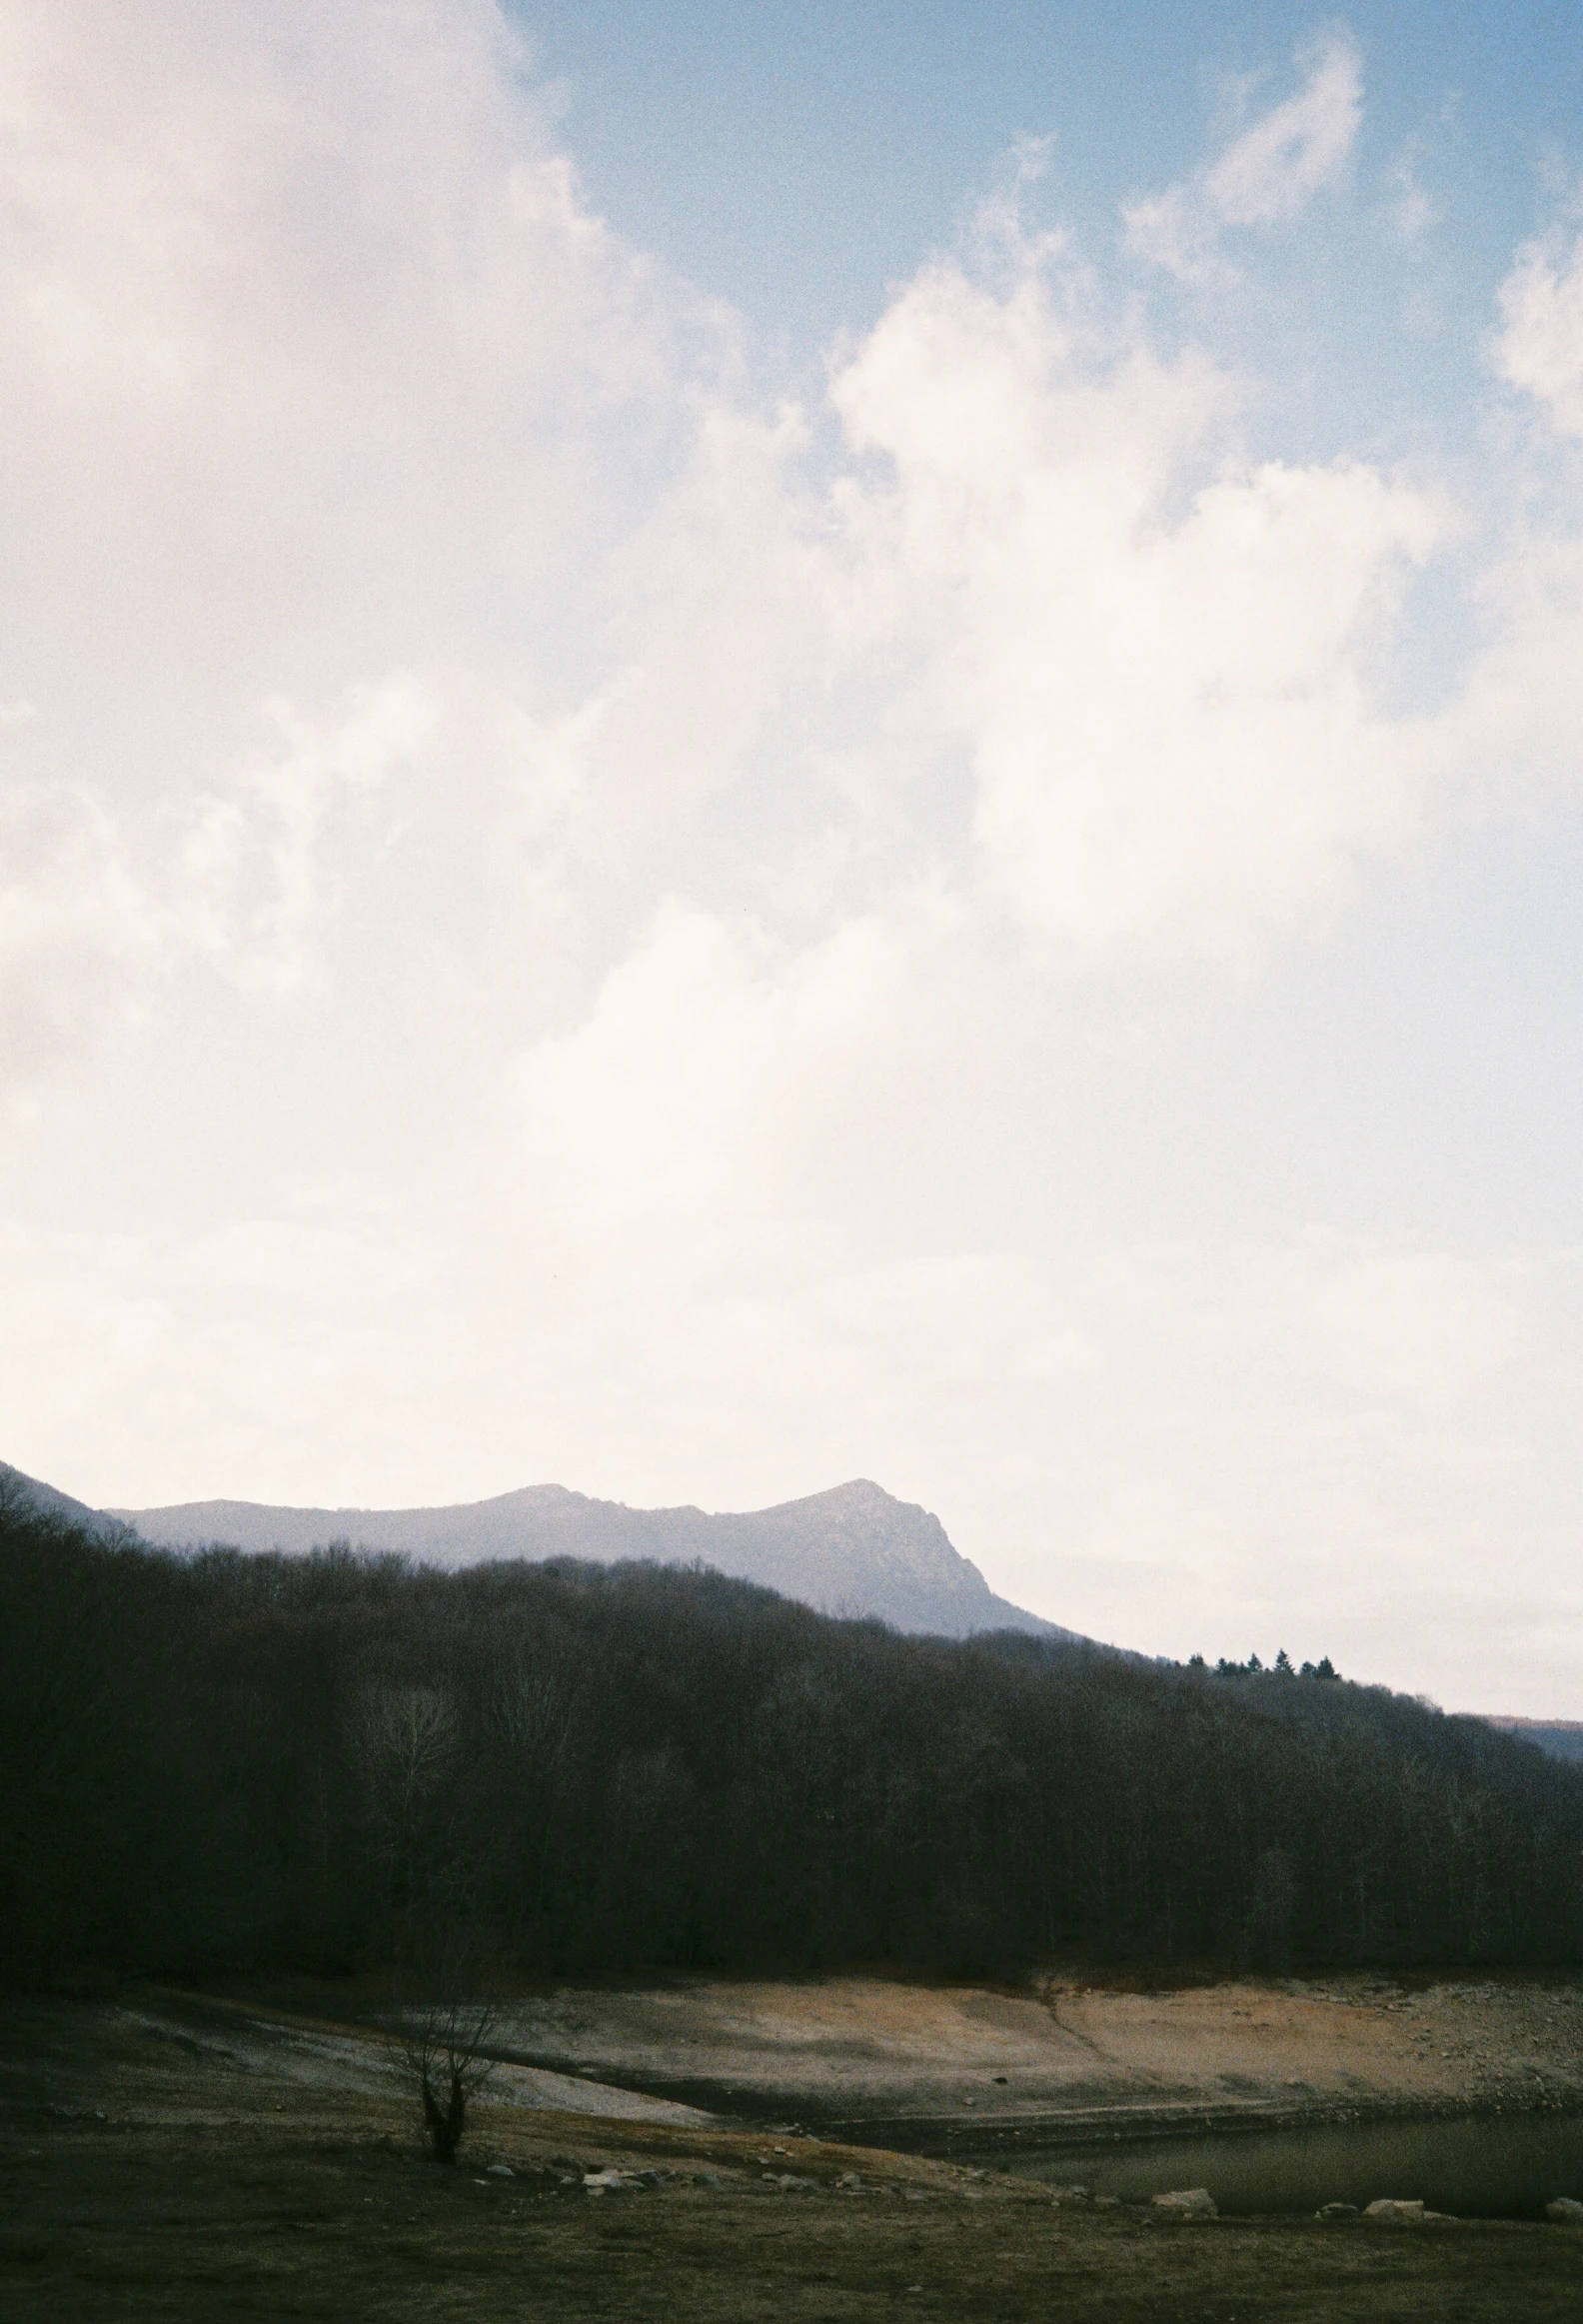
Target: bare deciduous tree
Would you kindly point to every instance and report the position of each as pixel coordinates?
(442, 2054)
(405, 1738)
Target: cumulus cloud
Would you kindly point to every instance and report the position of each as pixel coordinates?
(462, 499)
(327, 378)
(1511, 732)
(311, 371)
(1155, 654)
(625, 879)
(704, 1089)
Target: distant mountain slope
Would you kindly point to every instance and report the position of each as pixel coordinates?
(58, 1504)
(1562, 1739)
(852, 1551)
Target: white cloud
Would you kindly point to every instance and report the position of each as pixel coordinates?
(1275, 168)
(1155, 655)
(467, 462)
(76, 930)
(314, 375)
(624, 882)
(701, 1087)
(1174, 230)
(1512, 736)
(1265, 177)
(321, 381)
(1540, 347)
(255, 856)
(1412, 212)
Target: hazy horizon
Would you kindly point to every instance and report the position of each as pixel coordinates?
(739, 749)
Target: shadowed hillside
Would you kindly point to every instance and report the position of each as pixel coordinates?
(226, 1760)
(30, 1490)
(1562, 1739)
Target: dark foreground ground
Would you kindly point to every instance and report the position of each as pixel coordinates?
(143, 2175)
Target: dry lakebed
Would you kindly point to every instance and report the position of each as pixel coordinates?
(836, 2147)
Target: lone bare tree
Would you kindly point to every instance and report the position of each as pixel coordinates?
(442, 2055)
(406, 1739)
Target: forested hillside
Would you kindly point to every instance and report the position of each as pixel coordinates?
(245, 1761)
(1562, 1739)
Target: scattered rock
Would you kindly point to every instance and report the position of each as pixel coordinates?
(501, 2171)
(1070, 2195)
(1566, 2211)
(1396, 2211)
(610, 2181)
(1337, 2211)
(790, 2184)
(849, 2183)
(538, 2178)
(1188, 2203)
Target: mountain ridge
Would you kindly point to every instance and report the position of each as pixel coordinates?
(852, 1549)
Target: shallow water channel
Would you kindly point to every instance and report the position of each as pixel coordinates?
(1489, 2166)
(1477, 2166)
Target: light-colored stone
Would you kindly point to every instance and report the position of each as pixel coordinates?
(1396, 2211)
(1188, 2203)
(1566, 2211)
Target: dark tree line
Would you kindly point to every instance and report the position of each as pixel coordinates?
(266, 1762)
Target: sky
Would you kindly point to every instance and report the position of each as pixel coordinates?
(742, 746)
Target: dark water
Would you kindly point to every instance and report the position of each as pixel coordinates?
(1483, 2166)
(1493, 2166)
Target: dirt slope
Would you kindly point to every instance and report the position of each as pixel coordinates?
(167, 2160)
(859, 2049)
